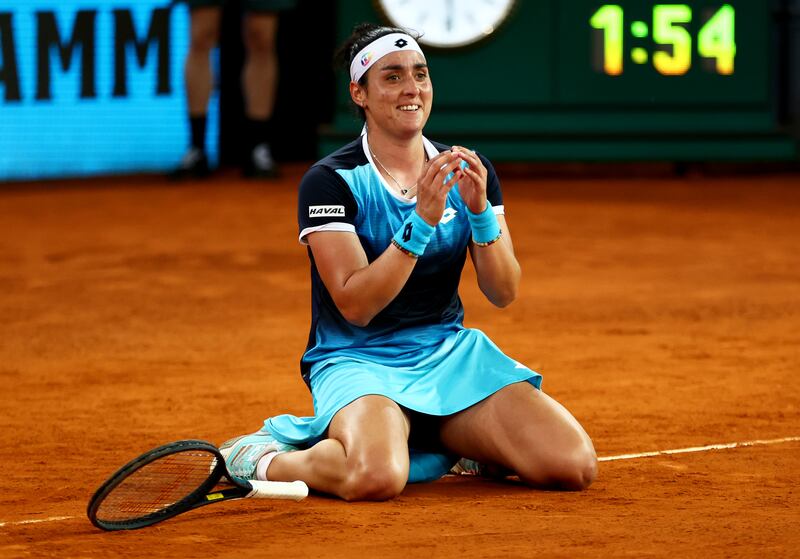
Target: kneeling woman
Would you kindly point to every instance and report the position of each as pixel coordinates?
(401, 388)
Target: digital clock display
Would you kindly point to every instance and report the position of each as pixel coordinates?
(638, 53)
(673, 43)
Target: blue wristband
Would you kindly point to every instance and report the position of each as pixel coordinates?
(413, 236)
(485, 228)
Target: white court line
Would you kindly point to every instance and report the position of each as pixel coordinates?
(696, 449)
(600, 459)
(36, 521)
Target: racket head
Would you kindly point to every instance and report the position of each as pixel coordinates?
(159, 484)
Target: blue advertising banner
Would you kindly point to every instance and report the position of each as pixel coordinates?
(92, 87)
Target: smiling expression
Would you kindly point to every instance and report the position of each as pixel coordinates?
(398, 95)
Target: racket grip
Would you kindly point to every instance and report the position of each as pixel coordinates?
(294, 490)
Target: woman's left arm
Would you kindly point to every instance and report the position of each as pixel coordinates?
(497, 268)
(495, 264)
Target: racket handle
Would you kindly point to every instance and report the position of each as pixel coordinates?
(294, 490)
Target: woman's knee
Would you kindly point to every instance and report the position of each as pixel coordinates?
(570, 471)
(579, 471)
(374, 480)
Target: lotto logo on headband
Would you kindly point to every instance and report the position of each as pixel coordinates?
(377, 49)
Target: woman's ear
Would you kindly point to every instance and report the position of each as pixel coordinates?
(358, 95)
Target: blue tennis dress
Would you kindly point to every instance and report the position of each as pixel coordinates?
(416, 351)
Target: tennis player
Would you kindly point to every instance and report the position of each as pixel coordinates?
(401, 388)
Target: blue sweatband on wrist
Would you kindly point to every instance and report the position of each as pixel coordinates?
(413, 236)
(485, 228)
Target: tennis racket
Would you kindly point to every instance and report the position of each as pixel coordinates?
(173, 479)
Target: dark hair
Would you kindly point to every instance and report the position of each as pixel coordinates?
(362, 35)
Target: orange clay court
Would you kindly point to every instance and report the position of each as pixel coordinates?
(663, 312)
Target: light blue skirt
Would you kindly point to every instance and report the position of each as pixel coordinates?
(440, 379)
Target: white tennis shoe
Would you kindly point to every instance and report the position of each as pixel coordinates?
(242, 453)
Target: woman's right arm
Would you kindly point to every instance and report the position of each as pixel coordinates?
(361, 289)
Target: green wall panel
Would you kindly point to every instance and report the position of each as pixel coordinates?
(693, 81)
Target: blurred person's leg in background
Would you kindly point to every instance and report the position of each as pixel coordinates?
(198, 75)
(259, 83)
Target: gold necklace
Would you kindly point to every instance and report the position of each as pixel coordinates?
(407, 192)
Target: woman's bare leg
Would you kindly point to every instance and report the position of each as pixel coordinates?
(365, 456)
(523, 429)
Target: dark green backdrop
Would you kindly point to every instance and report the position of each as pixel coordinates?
(532, 92)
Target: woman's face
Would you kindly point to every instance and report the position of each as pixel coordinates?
(398, 95)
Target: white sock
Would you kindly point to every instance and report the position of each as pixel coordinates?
(263, 465)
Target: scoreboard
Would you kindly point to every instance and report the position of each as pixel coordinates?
(594, 80)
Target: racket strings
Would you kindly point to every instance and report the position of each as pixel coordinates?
(157, 485)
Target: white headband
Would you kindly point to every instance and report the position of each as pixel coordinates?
(377, 49)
